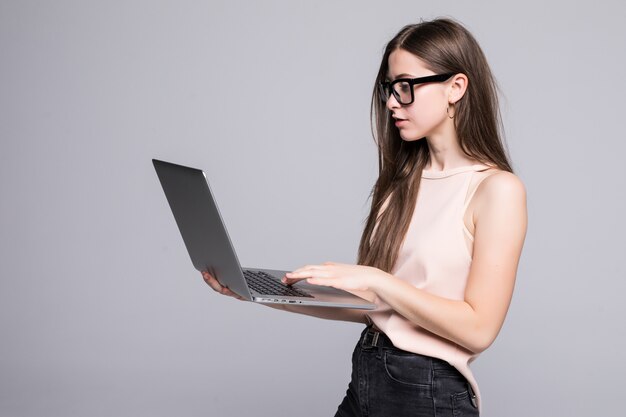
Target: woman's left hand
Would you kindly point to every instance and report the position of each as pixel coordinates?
(341, 276)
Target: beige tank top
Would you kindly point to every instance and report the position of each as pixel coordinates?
(435, 256)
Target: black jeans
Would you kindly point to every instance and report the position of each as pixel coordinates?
(387, 381)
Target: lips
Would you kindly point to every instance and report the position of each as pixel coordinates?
(399, 121)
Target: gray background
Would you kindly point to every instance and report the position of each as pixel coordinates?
(101, 312)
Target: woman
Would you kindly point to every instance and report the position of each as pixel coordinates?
(442, 242)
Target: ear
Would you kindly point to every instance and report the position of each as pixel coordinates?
(457, 88)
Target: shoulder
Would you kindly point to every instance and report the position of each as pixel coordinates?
(499, 183)
(500, 191)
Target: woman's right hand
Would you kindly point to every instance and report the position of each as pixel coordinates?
(214, 283)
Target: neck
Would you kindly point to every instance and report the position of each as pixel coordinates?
(445, 151)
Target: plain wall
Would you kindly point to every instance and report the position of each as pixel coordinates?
(101, 312)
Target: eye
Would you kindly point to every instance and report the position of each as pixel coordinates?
(403, 87)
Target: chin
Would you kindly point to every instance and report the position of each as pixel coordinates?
(410, 138)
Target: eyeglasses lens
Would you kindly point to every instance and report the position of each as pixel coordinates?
(401, 92)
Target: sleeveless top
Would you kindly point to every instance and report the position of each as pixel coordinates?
(435, 256)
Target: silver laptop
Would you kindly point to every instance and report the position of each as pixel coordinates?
(210, 248)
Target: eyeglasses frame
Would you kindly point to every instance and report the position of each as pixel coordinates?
(387, 86)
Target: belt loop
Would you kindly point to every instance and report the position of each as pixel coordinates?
(366, 337)
(379, 346)
(375, 341)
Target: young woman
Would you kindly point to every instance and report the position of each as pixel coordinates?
(441, 246)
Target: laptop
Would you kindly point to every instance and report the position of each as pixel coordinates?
(210, 248)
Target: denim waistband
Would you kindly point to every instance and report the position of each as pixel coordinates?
(375, 339)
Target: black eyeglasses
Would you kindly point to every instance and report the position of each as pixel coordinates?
(402, 88)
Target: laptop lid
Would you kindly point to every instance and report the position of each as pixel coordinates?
(200, 223)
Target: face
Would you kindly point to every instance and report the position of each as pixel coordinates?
(427, 114)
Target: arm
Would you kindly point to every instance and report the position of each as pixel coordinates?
(475, 321)
(343, 314)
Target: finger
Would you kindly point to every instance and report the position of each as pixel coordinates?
(213, 283)
(231, 293)
(327, 273)
(227, 291)
(299, 275)
(309, 268)
(206, 275)
(324, 281)
(293, 277)
(289, 280)
(216, 286)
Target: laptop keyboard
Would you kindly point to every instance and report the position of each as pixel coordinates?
(264, 283)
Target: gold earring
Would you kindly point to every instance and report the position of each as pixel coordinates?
(447, 108)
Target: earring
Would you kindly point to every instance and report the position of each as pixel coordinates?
(447, 108)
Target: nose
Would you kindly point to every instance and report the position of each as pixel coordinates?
(392, 103)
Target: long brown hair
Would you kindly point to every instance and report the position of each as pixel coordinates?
(444, 45)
